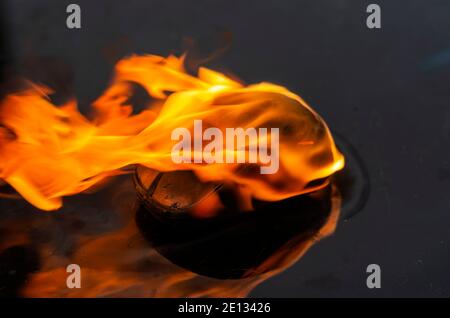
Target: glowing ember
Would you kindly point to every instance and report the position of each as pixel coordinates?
(48, 152)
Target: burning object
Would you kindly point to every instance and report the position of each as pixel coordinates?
(49, 152)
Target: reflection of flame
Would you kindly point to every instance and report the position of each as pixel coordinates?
(48, 152)
(121, 264)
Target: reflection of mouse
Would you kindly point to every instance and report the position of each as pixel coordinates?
(237, 244)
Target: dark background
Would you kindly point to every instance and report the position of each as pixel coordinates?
(386, 91)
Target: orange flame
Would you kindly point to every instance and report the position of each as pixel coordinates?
(48, 152)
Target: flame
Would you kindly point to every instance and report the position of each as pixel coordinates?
(48, 151)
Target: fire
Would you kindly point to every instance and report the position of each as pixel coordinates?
(48, 151)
